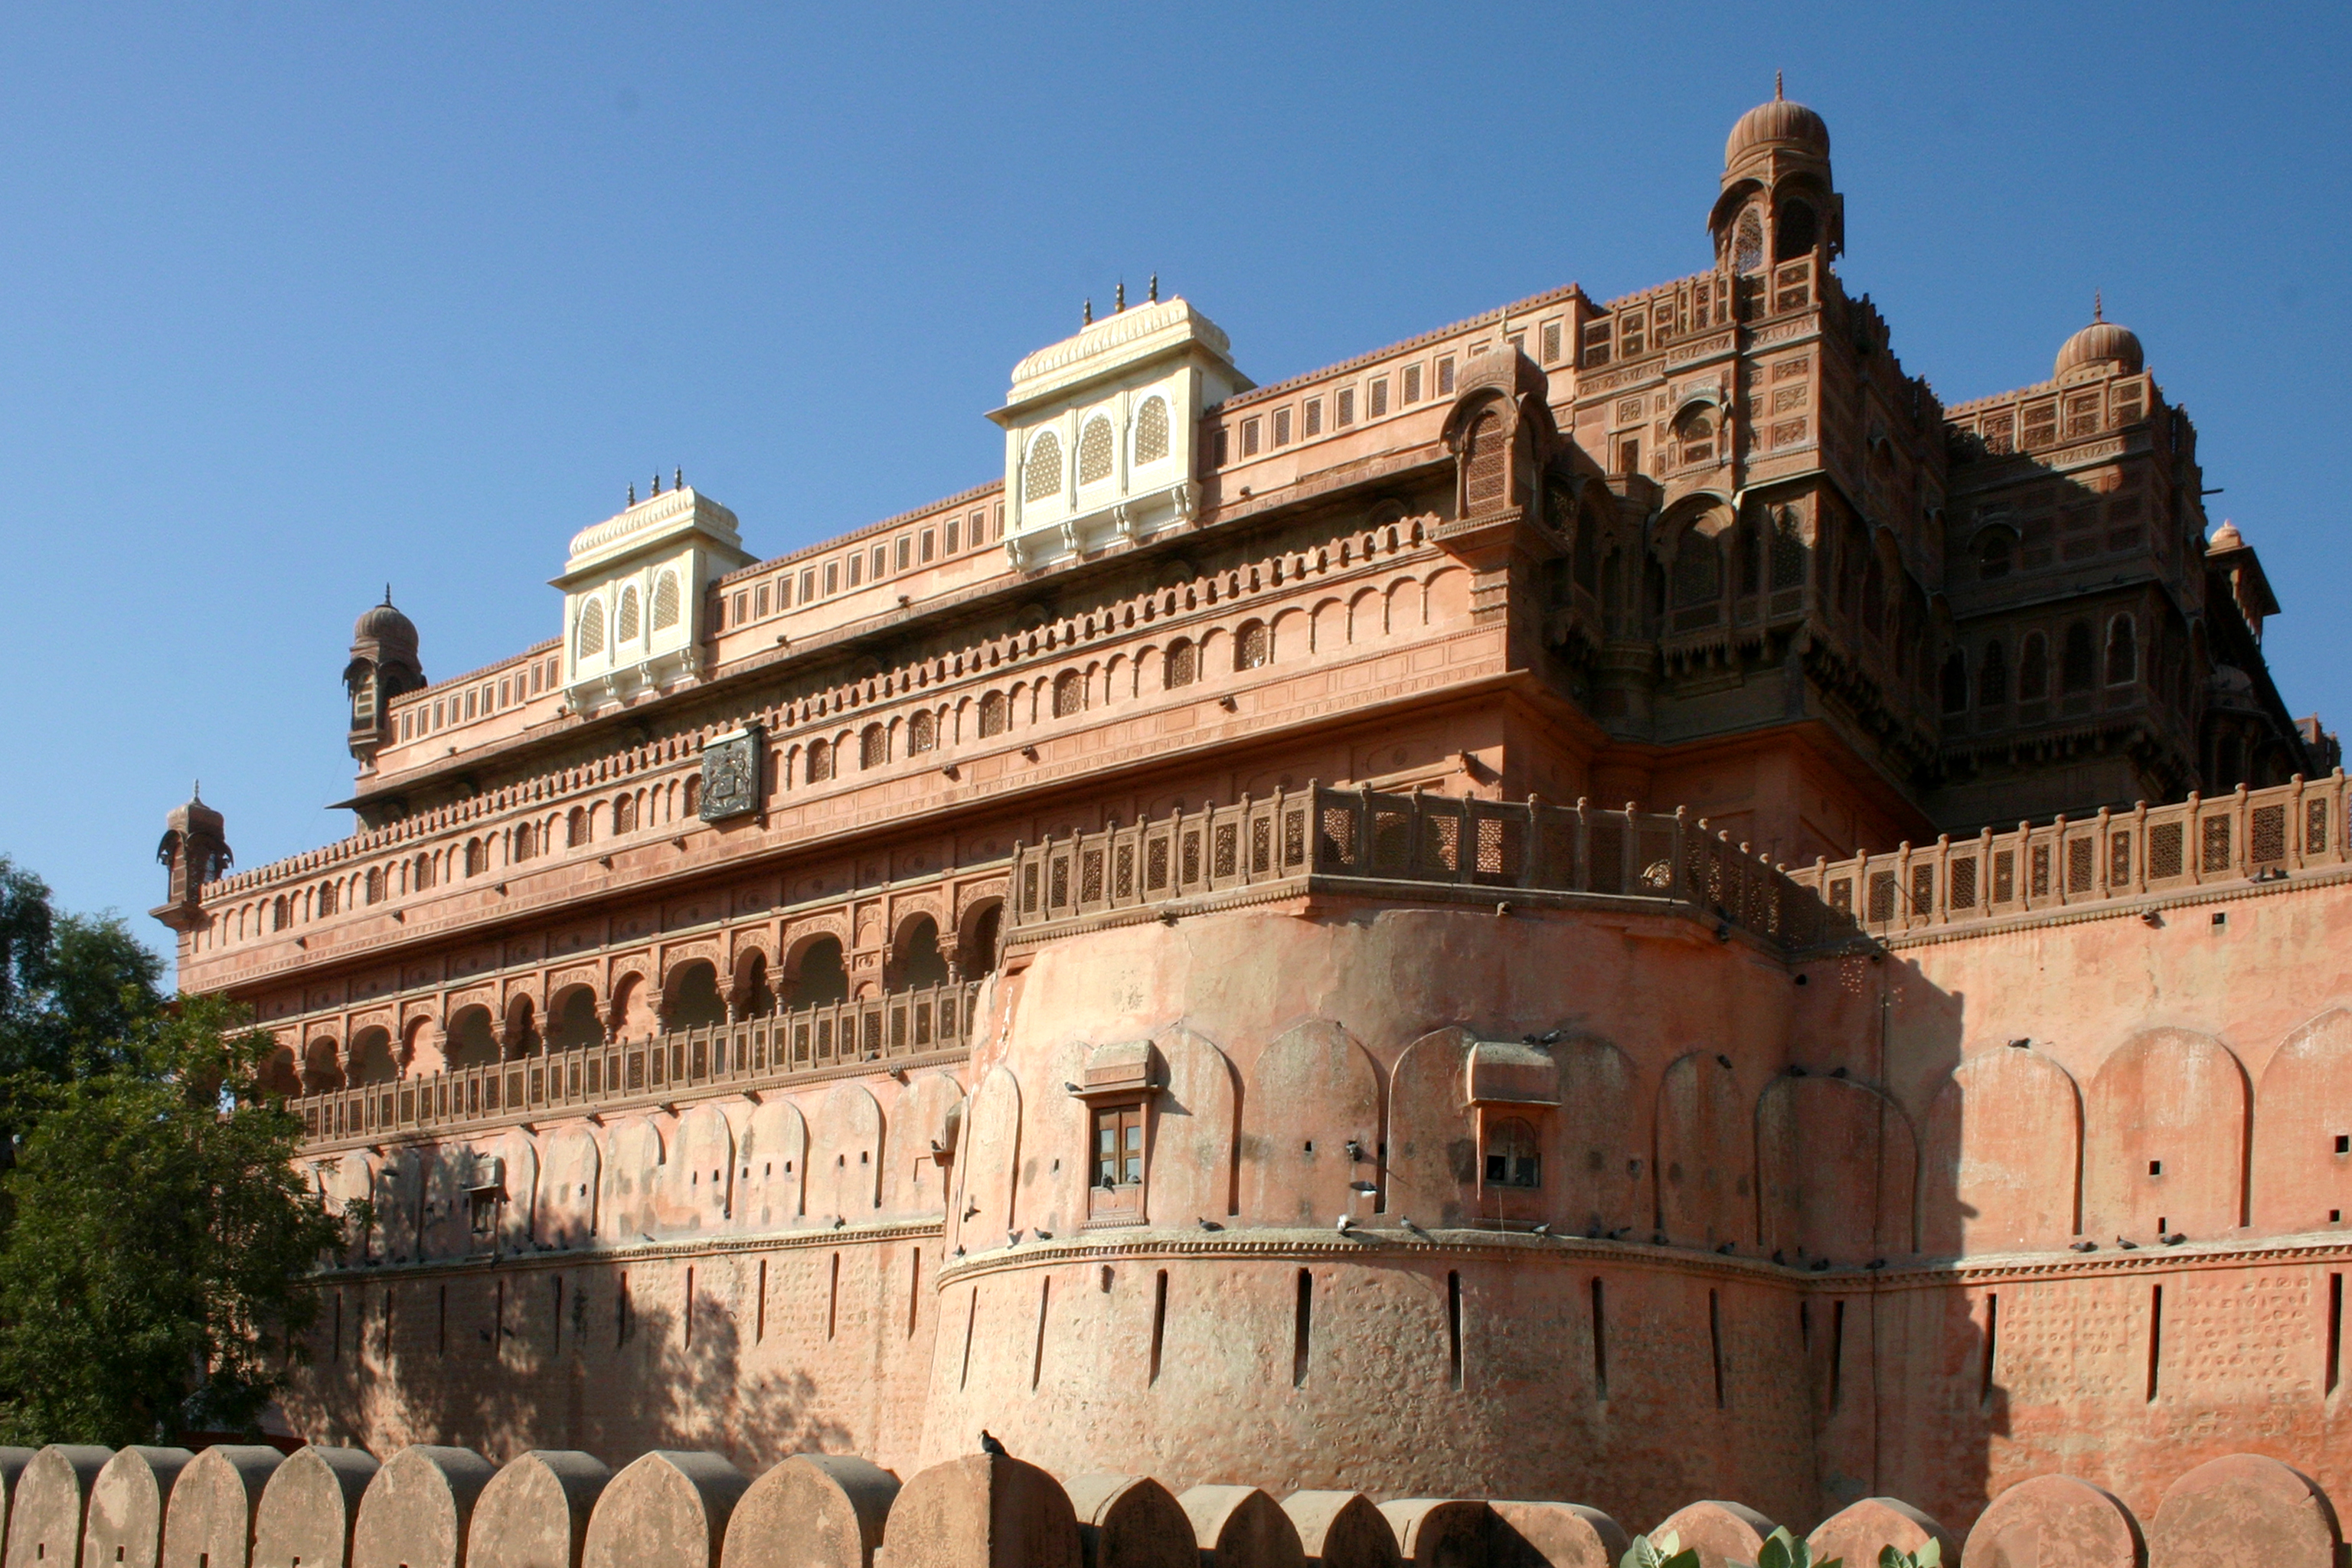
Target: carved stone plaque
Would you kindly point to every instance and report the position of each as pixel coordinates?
(731, 775)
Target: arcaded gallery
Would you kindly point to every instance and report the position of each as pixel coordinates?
(1610, 906)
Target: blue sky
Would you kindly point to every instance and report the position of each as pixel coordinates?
(297, 300)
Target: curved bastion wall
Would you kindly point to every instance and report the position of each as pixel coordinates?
(1930, 1207)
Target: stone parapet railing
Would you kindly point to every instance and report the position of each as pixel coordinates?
(435, 1507)
(769, 1051)
(1364, 840)
(2103, 861)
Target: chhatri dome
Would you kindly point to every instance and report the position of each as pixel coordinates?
(383, 624)
(2100, 342)
(1781, 122)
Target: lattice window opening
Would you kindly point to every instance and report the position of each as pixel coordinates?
(2266, 835)
(1094, 450)
(589, 641)
(1090, 878)
(1440, 843)
(1226, 851)
(2214, 839)
(624, 624)
(1155, 866)
(2314, 826)
(2080, 856)
(1261, 846)
(1183, 665)
(2038, 884)
(1152, 431)
(1041, 478)
(1882, 898)
(2164, 851)
(1069, 694)
(1336, 841)
(1189, 861)
(1252, 646)
(1123, 872)
(1923, 890)
(1059, 873)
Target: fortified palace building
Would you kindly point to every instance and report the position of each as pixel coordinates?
(1611, 903)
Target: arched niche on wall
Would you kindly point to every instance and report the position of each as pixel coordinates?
(633, 1165)
(2164, 1144)
(1837, 1170)
(1314, 1091)
(2302, 1129)
(1597, 1160)
(571, 1177)
(1433, 1160)
(846, 1154)
(917, 1178)
(1704, 1155)
(988, 1159)
(699, 1173)
(772, 1167)
(1192, 1169)
(2001, 1156)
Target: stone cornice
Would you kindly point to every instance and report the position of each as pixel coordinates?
(681, 1250)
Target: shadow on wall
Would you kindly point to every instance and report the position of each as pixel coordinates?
(561, 1359)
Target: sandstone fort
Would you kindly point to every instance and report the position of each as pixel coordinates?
(1612, 905)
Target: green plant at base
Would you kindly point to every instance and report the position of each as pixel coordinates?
(1666, 1551)
(1782, 1549)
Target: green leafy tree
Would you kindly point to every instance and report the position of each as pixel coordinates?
(73, 989)
(156, 1230)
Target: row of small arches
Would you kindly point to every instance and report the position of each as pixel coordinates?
(1255, 644)
(2082, 665)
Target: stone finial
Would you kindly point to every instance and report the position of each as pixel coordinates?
(535, 1512)
(1155, 288)
(1087, 314)
(1431, 1530)
(1342, 1530)
(983, 1510)
(45, 1519)
(126, 1504)
(1778, 95)
(1857, 1531)
(215, 1504)
(1561, 1534)
(1132, 1522)
(670, 1507)
(310, 1508)
(2056, 1519)
(418, 1507)
(2242, 1508)
(1119, 298)
(1242, 1526)
(813, 1510)
(1720, 1532)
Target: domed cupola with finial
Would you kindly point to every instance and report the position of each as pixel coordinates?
(2100, 350)
(384, 664)
(1777, 203)
(194, 851)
